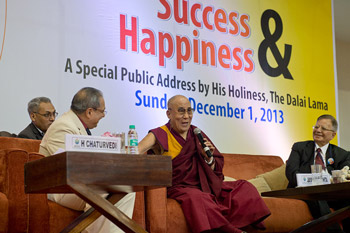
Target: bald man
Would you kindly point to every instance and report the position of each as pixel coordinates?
(198, 179)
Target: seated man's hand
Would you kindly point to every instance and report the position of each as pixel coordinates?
(211, 148)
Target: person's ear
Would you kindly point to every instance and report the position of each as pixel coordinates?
(88, 112)
(32, 116)
(168, 113)
(333, 134)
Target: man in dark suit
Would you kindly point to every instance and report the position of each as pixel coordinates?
(43, 114)
(304, 154)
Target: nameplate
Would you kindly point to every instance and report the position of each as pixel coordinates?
(305, 179)
(88, 143)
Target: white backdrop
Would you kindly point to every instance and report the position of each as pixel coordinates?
(48, 44)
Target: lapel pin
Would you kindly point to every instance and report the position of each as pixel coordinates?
(330, 161)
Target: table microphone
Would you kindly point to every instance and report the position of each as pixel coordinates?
(197, 132)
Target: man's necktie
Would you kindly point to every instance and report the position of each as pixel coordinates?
(319, 159)
(88, 131)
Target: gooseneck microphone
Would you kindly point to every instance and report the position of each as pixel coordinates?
(198, 132)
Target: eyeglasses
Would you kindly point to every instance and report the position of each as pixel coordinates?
(182, 111)
(101, 111)
(48, 114)
(316, 127)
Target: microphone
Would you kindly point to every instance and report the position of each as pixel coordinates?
(197, 132)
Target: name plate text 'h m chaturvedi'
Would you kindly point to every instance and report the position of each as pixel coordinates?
(88, 143)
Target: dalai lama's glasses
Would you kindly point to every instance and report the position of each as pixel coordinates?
(182, 111)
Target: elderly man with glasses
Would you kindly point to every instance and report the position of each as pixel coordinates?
(42, 113)
(208, 203)
(319, 151)
(87, 109)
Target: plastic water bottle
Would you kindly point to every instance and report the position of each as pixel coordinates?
(132, 140)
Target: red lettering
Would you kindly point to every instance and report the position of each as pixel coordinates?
(234, 23)
(205, 47)
(206, 17)
(163, 53)
(167, 14)
(244, 24)
(195, 47)
(125, 32)
(183, 47)
(239, 64)
(184, 18)
(224, 54)
(220, 17)
(247, 57)
(148, 44)
(194, 9)
(180, 57)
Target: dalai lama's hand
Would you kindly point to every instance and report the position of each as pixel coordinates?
(208, 144)
(210, 161)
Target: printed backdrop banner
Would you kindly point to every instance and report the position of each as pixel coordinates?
(257, 72)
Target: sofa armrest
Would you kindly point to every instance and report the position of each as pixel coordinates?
(156, 210)
(4, 208)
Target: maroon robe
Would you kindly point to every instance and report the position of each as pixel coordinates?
(208, 202)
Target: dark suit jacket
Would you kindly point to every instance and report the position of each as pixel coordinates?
(30, 132)
(302, 156)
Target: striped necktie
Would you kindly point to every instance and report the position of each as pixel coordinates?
(318, 159)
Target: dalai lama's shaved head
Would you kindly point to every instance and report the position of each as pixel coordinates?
(180, 114)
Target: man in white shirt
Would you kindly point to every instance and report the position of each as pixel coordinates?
(320, 151)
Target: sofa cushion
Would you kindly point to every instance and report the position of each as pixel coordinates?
(276, 178)
(259, 183)
(227, 178)
(241, 166)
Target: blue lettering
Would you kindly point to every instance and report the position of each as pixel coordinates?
(220, 109)
(151, 101)
(205, 109)
(193, 103)
(212, 110)
(140, 100)
(229, 110)
(200, 108)
(237, 112)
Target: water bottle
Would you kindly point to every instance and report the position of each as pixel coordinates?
(132, 140)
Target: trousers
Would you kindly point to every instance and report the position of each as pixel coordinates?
(101, 224)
